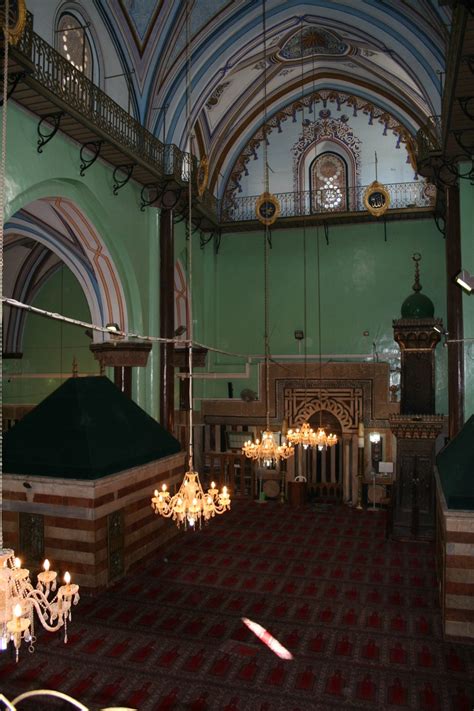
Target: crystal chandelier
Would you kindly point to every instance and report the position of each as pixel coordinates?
(19, 600)
(267, 450)
(304, 435)
(322, 440)
(190, 504)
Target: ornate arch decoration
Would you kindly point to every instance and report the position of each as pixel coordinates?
(61, 227)
(329, 181)
(355, 103)
(345, 403)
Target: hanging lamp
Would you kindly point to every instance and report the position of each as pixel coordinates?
(266, 450)
(304, 436)
(191, 504)
(21, 603)
(322, 439)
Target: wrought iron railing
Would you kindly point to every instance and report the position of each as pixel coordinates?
(307, 203)
(429, 139)
(56, 74)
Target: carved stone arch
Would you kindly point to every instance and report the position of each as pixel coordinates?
(344, 402)
(327, 404)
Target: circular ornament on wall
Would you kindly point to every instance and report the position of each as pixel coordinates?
(202, 175)
(267, 208)
(377, 199)
(16, 19)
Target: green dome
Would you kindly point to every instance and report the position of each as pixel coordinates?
(417, 306)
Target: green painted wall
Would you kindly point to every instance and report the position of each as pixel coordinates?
(49, 347)
(130, 235)
(467, 251)
(364, 280)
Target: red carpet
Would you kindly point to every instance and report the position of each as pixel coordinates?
(360, 615)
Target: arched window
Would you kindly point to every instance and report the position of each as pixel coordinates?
(329, 183)
(74, 43)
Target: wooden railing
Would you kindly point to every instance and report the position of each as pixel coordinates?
(234, 470)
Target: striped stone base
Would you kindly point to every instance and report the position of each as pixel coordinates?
(455, 566)
(95, 529)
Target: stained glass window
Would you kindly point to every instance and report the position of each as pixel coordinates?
(328, 174)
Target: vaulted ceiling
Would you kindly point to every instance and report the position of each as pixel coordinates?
(390, 54)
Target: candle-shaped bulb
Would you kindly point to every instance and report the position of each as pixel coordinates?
(155, 493)
(213, 484)
(17, 563)
(163, 488)
(224, 490)
(17, 611)
(67, 578)
(46, 565)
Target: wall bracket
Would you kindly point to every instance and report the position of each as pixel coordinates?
(91, 147)
(52, 122)
(121, 176)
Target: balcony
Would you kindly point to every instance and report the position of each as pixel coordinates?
(409, 200)
(44, 82)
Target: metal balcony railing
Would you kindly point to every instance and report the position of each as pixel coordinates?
(55, 74)
(309, 203)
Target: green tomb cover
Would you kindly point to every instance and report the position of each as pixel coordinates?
(455, 464)
(86, 429)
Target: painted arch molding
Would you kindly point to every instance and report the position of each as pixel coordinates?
(57, 225)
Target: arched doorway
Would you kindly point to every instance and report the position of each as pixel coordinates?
(325, 467)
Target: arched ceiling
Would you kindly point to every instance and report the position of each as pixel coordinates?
(390, 54)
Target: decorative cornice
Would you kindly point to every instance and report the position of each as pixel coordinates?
(414, 334)
(416, 426)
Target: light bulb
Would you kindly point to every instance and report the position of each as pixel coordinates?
(17, 563)
(191, 520)
(67, 578)
(17, 611)
(46, 564)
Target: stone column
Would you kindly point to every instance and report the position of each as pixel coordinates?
(346, 487)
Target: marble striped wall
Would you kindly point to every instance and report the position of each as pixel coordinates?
(77, 518)
(455, 563)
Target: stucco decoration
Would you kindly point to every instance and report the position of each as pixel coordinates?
(328, 129)
(311, 41)
(308, 104)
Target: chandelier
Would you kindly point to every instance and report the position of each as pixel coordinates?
(190, 504)
(19, 600)
(267, 450)
(304, 435)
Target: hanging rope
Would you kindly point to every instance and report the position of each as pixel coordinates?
(190, 235)
(2, 221)
(319, 328)
(266, 183)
